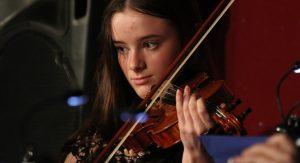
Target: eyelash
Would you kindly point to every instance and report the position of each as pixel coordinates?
(121, 50)
(150, 45)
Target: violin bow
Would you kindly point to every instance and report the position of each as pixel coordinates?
(171, 73)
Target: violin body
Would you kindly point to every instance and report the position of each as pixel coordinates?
(162, 128)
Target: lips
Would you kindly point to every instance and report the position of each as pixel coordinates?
(141, 80)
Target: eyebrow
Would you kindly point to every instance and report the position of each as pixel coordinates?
(142, 38)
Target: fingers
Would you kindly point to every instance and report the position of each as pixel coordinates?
(179, 103)
(257, 159)
(283, 142)
(192, 117)
(263, 153)
(200, 126)
(189, 127)
(191, 112)
(203, 114)
(277, 149)
(266, 152)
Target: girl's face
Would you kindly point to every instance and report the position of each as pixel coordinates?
(146, 46)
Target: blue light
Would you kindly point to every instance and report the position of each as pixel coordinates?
(125, 116)
(141, 117)
(75, 101)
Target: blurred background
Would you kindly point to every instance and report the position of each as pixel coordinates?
(262, 44)
(47, 49)
(44, 46)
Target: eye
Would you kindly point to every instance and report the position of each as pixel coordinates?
(121, 50)
(150, 45)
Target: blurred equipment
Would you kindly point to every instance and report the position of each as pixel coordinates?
(290, 123)
(42, 61)
(294, 69)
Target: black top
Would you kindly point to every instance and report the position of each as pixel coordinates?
(85, 148)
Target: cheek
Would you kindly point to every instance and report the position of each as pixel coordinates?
(169, 57)
(165, 62)
(162, 63)
(123, 63)
(171, 51)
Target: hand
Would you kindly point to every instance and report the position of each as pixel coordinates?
(193, 120)
(279, 148)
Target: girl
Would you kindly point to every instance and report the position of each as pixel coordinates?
(139, 40)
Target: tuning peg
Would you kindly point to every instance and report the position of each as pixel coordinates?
(244, 114)
(233, 105)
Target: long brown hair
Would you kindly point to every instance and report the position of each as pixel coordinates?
(113, 93)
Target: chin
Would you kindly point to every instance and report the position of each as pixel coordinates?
(142, 92)
(142, 95)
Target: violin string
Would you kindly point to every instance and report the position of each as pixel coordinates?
(176, 86)
(172, 90)
(171, 93)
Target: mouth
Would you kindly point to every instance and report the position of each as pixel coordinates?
(141, 80)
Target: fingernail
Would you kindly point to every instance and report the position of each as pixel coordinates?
(187, 88)
(178, 92)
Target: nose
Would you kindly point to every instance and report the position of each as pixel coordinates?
(136, 61)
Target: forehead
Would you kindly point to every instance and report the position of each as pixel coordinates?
(130, 22)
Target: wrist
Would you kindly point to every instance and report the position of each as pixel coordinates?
(196, 156)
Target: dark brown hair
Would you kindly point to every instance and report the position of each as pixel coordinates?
(113, 93)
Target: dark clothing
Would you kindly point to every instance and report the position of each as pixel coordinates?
(85, 148)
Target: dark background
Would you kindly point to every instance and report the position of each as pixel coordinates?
(254, 46)
(262, 43)
(45, 46)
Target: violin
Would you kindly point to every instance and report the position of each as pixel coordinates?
(161, 128)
